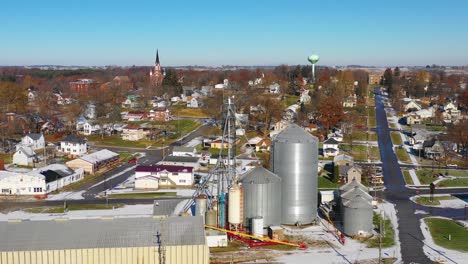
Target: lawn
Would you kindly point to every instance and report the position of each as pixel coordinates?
(388, 236)
(440, 230)
(75, 207)
(142, 195)
(326, 183)
(189, 112)
(402, 155)
(396, 138)
(426, 176)
(426, 200)
(7, 158)
(454, 183)
(360, 152)
(407, 177)
(372, 120)
(117, 141)
(290, 100)
(361, 135)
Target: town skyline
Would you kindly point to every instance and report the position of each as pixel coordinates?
(209, 34)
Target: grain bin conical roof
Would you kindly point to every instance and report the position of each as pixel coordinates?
(353, 183)
(295, 134)
(356, 191)
(260, 175)
(358, 202)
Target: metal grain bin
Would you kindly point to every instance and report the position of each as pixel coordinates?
(294, 158)
(262, 196)
(350, 185)
(357, 216)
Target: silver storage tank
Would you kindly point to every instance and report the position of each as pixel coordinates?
(262, 196)
(294, 158)
(357, 216)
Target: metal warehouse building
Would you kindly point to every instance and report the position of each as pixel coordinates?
(104, 241)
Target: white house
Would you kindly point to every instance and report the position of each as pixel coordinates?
(336, 136)
(411, 106)
(35, 141)
(152, 177)
(275, 88)
(91, 127)
(24, 156)
(330, 148)
(350, 101)
(74, 145)
(12, 183)
(193, 103)
(80, 121)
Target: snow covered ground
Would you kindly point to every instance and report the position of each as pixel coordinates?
(66, 196)
(437, 253)
(351, 252)
(126, 211)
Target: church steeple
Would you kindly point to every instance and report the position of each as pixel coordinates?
(157, 56)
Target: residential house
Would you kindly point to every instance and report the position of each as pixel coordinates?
(218, 143)
(184, 161)
(411, 106)
(63, 99)
(274, 88)
(350, 101)
(312, 127)
(131, 101)
(159, 103)
(79, 123)
(349, 172)
(184, 151)
(134, 132)
(330, 148)
(206, 90)
(263, 145)
(343, 159)
(193, 102)
(160, 114)
(82, 85)
(24, 156)
(290, 113)
(153, 177)
(450, 112)
(35, 141)
(278, 127)
(92, 163)
(336, 136)
(32, 95)
(413, 119)
(90, 111)
(433, 149)
(91, 127)
(135, 116)
(73, 145)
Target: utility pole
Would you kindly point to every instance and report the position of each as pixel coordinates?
(380, 241)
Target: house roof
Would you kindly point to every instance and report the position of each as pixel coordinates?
(28, 151)
(331, 141)
(181, 159)
(74, 139)
(344, 169)
(34, 136)
(53, 172)
(343, 157)
(429, 143)
(159, 168)
(98, 233)
(260, 175)
(99, 156)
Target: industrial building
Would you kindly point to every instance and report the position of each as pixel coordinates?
(294, 158)
(151, 177)
(91, 163)
(105, 241)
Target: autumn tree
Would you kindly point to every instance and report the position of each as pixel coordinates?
(330, 112)
(12, 97)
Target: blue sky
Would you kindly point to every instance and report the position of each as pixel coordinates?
(241, 32)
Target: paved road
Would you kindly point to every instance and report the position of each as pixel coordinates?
(396, 192)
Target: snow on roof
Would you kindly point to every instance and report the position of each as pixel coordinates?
(99, 156)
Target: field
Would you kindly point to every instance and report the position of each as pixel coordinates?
(188, 112)
(402, 155)
(407, 177)
(441, 229)
(388, 236)
(396, 138)
(425, 200)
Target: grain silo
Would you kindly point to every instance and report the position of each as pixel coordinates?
(355, 191)
(357, 216)
(262, 196)
(350, 185)
(235, 210)
(294, 158)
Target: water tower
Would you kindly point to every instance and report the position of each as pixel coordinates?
(313, 59)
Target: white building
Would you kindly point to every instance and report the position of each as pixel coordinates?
(184, 151)
(193, 162)
(24, 156)
(74, 145)
(12, 183)
(39, 181)
(152, 177)
(133, 132)
(35, 141)
(330, 148)
(91, 127)
(193, 103)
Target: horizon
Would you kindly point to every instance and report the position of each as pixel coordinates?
(210, 34)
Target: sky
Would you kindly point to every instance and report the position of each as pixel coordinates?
(239, 32)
